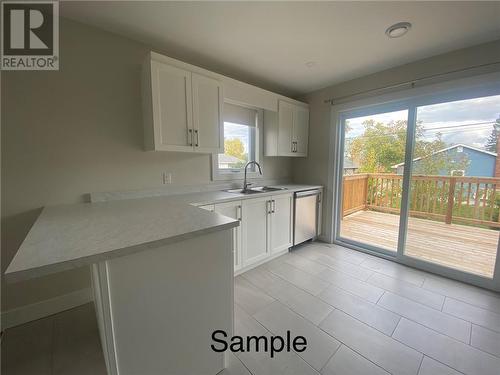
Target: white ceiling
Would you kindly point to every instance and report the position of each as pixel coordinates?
(269, 44)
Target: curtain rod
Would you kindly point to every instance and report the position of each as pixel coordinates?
(408, 83)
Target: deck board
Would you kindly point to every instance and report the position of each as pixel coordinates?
(466, 248)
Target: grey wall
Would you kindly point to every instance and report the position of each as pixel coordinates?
(78, 130)
(314, 168)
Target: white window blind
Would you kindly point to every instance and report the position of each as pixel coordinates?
(239, 115)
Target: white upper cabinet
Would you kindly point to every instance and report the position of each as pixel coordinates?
(182, 110)
(207, 114)
(300, 135)
(287, 132)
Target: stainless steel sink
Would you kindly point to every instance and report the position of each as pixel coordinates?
(255, 190)
(264, 189)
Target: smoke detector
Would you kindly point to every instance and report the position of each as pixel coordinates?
(398, 29)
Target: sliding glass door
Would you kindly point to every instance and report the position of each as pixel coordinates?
(371, 197)
(455, 185)
(420, 181)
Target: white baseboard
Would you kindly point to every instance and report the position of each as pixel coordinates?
(28, 313)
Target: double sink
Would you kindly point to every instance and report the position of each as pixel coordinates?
(255, 190)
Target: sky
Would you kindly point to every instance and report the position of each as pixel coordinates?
(466, 121)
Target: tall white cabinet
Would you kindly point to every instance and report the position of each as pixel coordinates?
(182, 109)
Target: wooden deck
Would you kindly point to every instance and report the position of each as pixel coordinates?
(462, 247)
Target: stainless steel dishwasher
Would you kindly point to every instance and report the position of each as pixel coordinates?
(305, 215)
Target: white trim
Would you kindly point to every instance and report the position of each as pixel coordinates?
(446, 149)
(42, 309)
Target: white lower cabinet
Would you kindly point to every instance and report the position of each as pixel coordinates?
(281, 222)
(254, 224)
(266, 225)
(234, 211)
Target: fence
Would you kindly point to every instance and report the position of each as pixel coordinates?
(468, 200)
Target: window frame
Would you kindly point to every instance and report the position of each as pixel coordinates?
(227, 174)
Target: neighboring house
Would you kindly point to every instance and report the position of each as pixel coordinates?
(228, 161)
(480, 162)
(350, 167)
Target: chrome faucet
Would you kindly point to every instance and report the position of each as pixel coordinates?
(245, 183)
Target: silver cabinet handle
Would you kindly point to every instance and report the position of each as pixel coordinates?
(268, 207)
(190, 136)
(197, 137)
(273, 210)
(295, 146)
(238, 212)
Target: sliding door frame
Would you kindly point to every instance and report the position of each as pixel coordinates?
(486, 85)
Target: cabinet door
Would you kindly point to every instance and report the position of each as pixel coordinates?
(254, 222)
(234, 211)
(172, 107)
(281, 222)
(301, 130)
(207, 114)
(285, 128)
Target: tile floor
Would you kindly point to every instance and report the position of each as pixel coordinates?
(360, 315)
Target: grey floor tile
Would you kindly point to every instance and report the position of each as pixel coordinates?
(336, 251)
(345, 267)
(303, 303)
(27, 349)
(486, 340)
(249, 297)
(472, 314)
(432, 367)
(77, 348)
(473, 295)
(451, 352)
(299, 278)
(429, 317)
(260, 362)
(348, 255)
(395, 270)
(347, 362)
(305, 264)
(234, 366)
(360, 288)
(369, 313)
(278, 318)
(384, 351)
(407, 290)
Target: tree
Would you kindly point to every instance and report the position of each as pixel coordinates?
(379, 147)
(234, 147)
(491, 142)
(383, 145)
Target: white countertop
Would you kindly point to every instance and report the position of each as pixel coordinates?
(70, 236)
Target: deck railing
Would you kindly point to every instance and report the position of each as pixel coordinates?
(468, 200)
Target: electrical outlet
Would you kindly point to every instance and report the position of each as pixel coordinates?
(166, 178)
